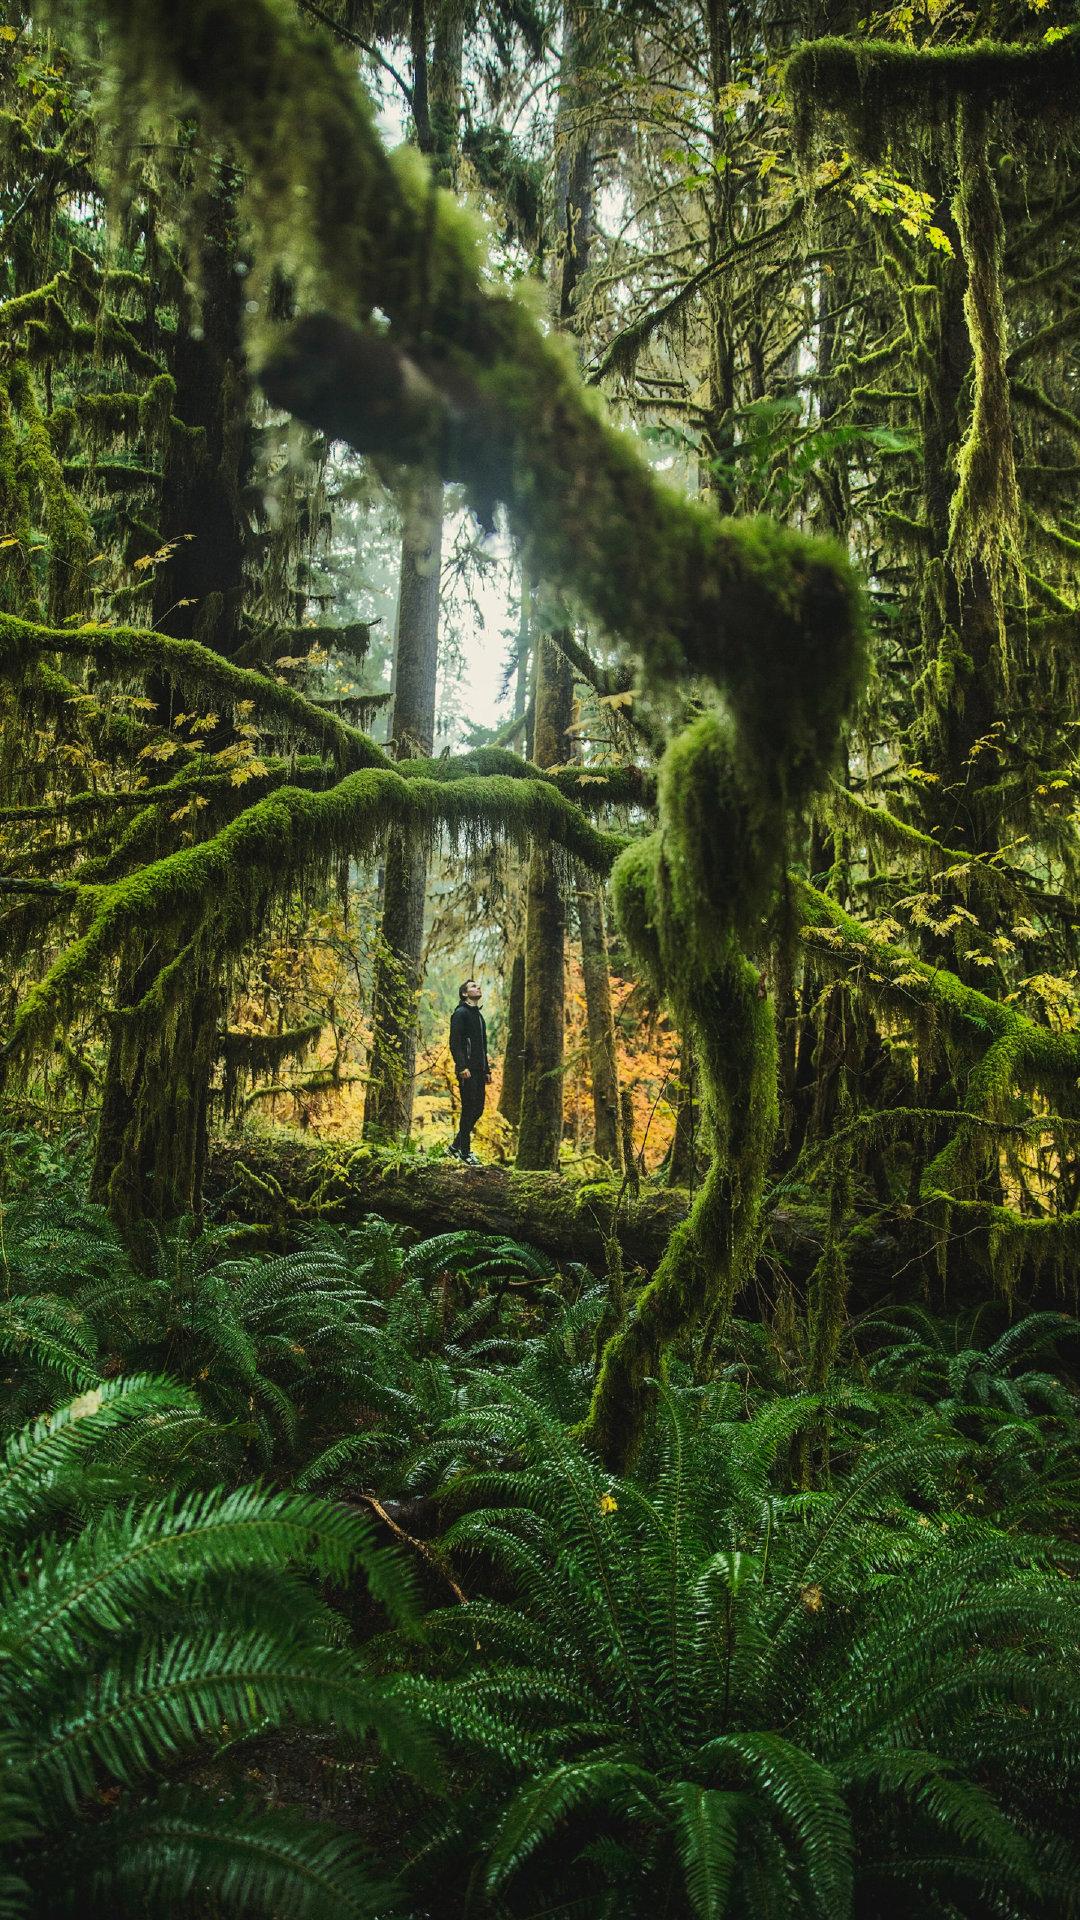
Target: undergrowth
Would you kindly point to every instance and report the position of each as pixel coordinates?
(270, 1516)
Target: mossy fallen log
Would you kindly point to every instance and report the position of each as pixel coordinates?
(281, 1180)
(287, 1181)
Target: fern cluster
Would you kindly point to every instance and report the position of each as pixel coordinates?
(701, 1693)
(339, 1356)
(814, 1657)
(139, 1639)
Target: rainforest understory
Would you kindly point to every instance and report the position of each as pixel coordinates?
(577, 498)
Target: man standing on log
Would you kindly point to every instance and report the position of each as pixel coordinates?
(468, 1044)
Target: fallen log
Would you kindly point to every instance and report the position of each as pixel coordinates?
(282, 1180)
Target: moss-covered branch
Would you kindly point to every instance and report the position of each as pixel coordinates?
(262, 1052)
(882, 89)
(1046, 1057)
(198, 671)
(766, 614)
(887, 831)
(195, 670)
(217, 891)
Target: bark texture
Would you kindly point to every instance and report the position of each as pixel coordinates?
(398, 977)
(513, 1062)
(545, 929)
(603, 1066)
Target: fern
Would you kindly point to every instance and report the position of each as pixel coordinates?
(279, 1864)
(768, 1694)
(164, 1629)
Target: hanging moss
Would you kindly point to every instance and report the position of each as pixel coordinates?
(885, 91)
(220, 888)
(984, 522)
(1007, 1054)
(246, 1055)
(683, 898)
(194, 670)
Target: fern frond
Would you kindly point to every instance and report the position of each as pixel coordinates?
(805, 1801)
(42, 1331)
(96, 1584)
(36, 1459)
(706, 1834)
(158, 1700)
(540, 1806)
(180, 1845)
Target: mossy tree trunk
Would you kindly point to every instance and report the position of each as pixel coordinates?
(398, 974)
(400, 966)
(603, 1065)
(682, 1160)
(545, 920)
(151, 1144)
(513, 1049)
(513, 1054)
(545, 935)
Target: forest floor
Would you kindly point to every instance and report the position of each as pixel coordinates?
(575, 1680)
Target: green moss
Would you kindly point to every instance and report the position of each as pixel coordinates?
(1007, 1055)
(984, 523)
(195, 670)
(684, 897)
(360, 231)
(217, 892)
(885, 91)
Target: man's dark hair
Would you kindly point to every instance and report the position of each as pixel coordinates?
(470, 982)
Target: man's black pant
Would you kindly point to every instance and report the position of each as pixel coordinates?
(473, 1093)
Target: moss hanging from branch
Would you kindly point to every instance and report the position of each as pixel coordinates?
(197, 671)
(217, 892)
(766, 614)
(1008, 1054)
(194, 670)
(886, 92)
(246, 1055)
(984, 522)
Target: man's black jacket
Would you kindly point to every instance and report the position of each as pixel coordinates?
(468, 1039)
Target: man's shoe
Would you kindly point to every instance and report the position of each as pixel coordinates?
(471, 1160)
(455, 1153)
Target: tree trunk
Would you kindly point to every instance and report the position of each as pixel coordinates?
(545, 922)
(601, 1024)
(151, 1136)
(513, 1058)
(681, 1166)
(513, 1050)
(399, 969)
(545, 927)
(400, 966)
